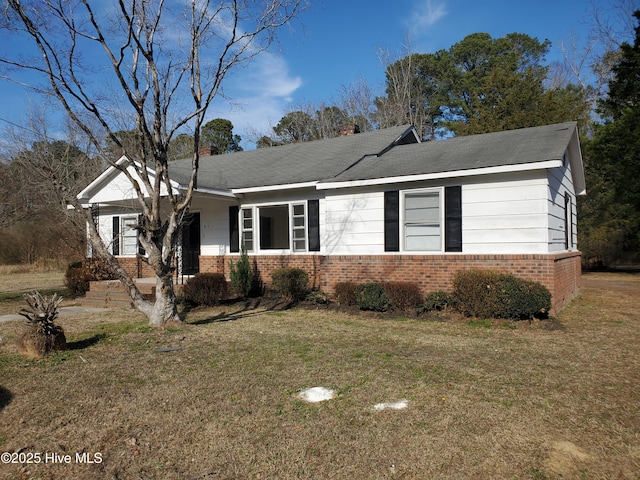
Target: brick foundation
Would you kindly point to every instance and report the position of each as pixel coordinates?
(560, 273)
(136, 267)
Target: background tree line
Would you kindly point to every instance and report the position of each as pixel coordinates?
(481, 84)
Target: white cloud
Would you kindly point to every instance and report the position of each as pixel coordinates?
(260, 93)
(426, 13)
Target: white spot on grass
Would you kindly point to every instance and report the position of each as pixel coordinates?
(392, 405)
(316, 394)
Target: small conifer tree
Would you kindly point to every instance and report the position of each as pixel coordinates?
(241, 274)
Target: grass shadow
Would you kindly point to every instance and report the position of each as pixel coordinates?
(87, 342)
(5, 397)
(247, 309)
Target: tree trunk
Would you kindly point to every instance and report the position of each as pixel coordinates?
(164, 310)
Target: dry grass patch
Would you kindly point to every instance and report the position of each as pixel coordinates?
(15, 280)
(222, 402)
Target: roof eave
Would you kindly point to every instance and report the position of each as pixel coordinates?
(328, 185)
(272, 188)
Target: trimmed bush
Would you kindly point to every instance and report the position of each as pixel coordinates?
(205, 289)
(371, 296)
(438, 300)
(291, 282)
(403, 295)
(345, 293)
(494, 294)
(524, 299)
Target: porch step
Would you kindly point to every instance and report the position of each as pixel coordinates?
(107, 294)
(111, 293)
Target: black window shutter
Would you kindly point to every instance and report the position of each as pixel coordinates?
(141, 250)
(115, 246)
(392, 221)
(313, 213)
(453, 219)
(234, 232)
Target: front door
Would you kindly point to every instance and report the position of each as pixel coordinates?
(191, 244)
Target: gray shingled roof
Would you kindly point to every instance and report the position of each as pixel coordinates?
(512, 147)
(342, 159)
(287, 164)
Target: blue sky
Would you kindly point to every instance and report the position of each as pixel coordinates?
(336, 43)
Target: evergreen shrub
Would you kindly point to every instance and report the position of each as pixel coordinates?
(494, 294)
(241, 274)
(371, 296)
(438, 300)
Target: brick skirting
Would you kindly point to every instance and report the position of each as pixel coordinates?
(560, 273)
(136, 267)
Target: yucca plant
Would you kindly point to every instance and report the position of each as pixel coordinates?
(43, 335)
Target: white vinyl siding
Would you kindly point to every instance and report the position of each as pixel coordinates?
(561, 221)
(353, 223)
(506, 215)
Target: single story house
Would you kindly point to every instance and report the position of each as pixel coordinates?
(374, 206)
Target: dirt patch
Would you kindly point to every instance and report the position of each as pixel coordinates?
(566, 459)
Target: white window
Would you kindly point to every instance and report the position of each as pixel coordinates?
(246, 219)
(274, 227)
(422, 220)
(299, 232)
(129, 236)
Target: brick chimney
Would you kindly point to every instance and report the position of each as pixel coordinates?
(350, 129)
(208, 151)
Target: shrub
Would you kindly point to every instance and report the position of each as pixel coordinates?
(76, 279)
(345, 293)
(316, 297)
(403, 295)
(205, 289)
(438, 300)
(79, 274)
(291, 282)
(241, 274)
(478, 292)
(371, 296)
(489, 293)
(524, 299)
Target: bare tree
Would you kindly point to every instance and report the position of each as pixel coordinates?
(589, 61)
(156, 67)
(357, 101)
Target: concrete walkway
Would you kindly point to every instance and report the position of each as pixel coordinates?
(64, 312)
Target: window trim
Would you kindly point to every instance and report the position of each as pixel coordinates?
(255, 228)
(441, 219)
(123, 229)
(241, 211)
(293, 228)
